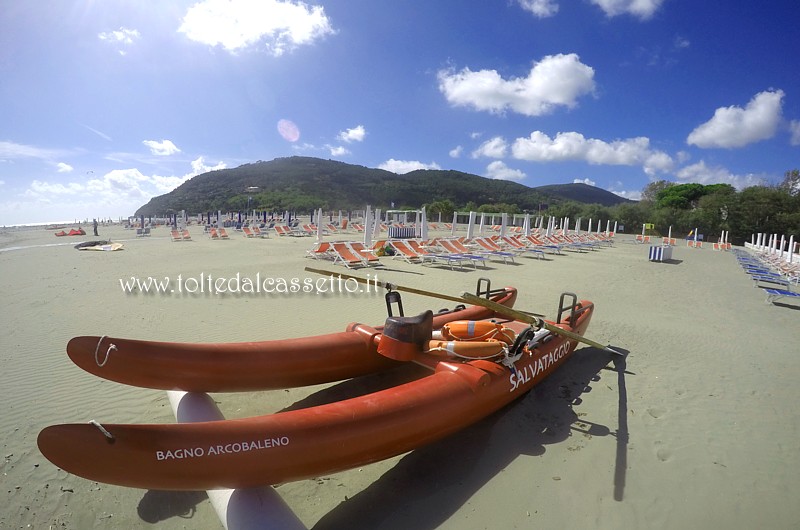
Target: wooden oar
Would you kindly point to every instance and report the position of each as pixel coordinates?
(392, 286)
(387, 285)
(538, 322)
(475, 300)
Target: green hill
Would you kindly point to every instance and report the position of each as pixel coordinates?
(304, 183)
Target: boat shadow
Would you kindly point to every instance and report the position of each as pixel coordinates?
(428, 485)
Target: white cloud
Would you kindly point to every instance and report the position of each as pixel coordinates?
(281, 25)
(632, 195)
(120, 38)
(356, 134)
(540, 8)
(338, 150)
(12, 150)
(586, 181)
(702, 174)
(555, 81)
(63, 168)
(117, 193)
(494, 148)
(162, 148)
(539, 147)
(499, 171)
(644, 9)
(404, 166)
(736, 127)
(456, 151)
(794, 128)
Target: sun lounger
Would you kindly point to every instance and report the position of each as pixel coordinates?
(223, 234)
(403, 251)
(212, 233)
(769, 278)
(176, 236)
(538, 243)
(775, 294)
(490, 248)
(260, 233)
(520, 247)
(323, 250)
(364, 253)
(344, 255)
(247, 232)
(434, 257)
(452, 247)
(185, 235)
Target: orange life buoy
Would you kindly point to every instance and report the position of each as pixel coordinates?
(468, 349)
(477, 330)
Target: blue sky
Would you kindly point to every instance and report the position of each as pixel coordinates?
(108, 103)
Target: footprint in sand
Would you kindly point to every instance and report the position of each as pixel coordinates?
(656, 412)
(662, 453)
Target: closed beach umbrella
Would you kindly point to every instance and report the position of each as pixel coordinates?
(367, 228)
(455, 220)
(471, 226)
(503, 223)
(376, 229)
(526, 225)
(423, 229)
(319, 226)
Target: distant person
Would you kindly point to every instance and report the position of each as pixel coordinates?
(94, 225)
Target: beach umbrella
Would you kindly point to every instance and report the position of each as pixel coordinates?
(669, 235)
(783, 242)
(367, 228)
(695, 235)
(340, 219)
(483, 220)
(526, 225)
(376, 228)
(608, 226)
(503, 224)
(423, 225)
(589, 229)
(319, 227)
(471, 226)
(791, 248)
(455, 220)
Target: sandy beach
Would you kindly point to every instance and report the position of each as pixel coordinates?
(697, 429)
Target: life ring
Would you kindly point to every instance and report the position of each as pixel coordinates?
(468, 349)
(477, 331)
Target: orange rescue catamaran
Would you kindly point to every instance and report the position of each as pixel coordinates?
(470, 377)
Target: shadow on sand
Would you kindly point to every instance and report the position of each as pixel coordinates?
(449, 472)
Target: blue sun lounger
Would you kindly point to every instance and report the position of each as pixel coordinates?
(775, 294)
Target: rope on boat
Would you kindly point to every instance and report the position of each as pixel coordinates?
(111, 347)
(102, 429)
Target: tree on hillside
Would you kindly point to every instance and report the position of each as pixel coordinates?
(650, 192)
(791, 182)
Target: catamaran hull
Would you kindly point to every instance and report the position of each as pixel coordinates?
(308, 442)
(248, 366)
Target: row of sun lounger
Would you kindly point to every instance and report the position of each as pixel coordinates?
(777, 276)
(451, 252)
